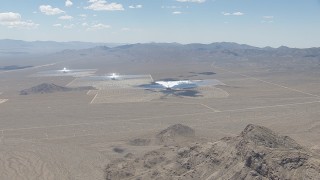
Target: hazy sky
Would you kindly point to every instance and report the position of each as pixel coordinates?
(294, 23)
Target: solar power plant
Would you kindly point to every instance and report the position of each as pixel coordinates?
(104, 83)
(65, 72)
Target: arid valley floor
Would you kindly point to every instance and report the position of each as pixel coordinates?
(74, 135)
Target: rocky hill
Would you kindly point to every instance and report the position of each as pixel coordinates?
(257, 153)
(175, 134)
(51, 88)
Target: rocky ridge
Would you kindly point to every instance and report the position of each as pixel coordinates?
(257, 153)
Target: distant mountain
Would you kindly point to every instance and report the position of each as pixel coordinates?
(13, 67)
(18, 47)
(227, 48)
(220, 53)
(222, 45)
(257, 153)
(224, 52)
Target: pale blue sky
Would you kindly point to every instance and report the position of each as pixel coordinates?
(293, 23)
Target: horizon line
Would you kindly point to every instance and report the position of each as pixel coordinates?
(155, 42)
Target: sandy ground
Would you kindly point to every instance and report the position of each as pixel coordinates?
(72, 135)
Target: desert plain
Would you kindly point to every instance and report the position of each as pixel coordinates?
(74, 135)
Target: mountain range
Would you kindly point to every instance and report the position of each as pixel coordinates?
(9, 46)
(18, 47)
